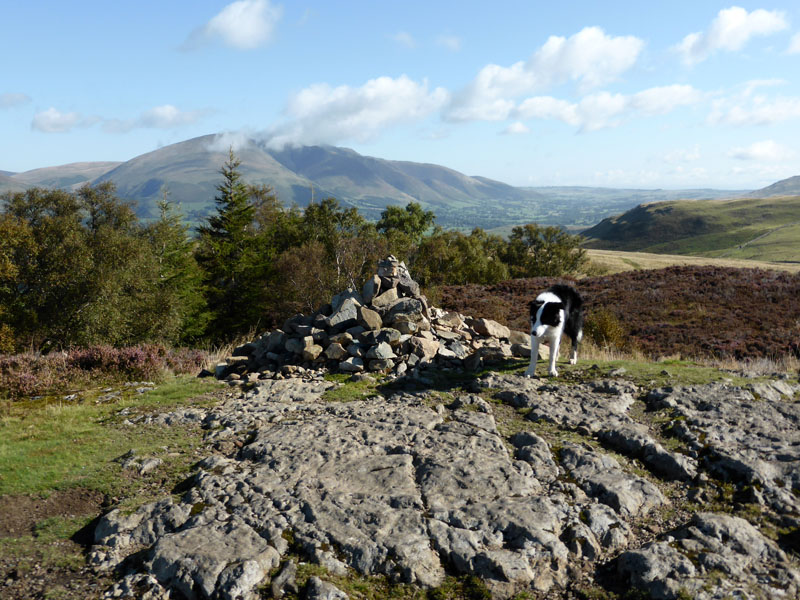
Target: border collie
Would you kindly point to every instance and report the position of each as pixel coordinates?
(555, 311)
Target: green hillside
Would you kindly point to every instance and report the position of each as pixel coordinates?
(746, 228)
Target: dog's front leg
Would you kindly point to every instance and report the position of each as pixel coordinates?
(531, 372)
(554, 343)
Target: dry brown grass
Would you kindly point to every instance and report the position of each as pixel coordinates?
(609, 262)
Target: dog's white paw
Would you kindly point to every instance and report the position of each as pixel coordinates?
(573, 361)
(553, 373)
(529, 373)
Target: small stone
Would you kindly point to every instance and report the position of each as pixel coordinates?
(335, 352)
(352, 365)
(369, 319)
(489, 328)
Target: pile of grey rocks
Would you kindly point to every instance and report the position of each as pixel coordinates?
(388, 327)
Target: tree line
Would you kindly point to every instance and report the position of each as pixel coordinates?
(79, 268)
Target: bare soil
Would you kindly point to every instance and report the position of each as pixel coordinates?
(29, 574)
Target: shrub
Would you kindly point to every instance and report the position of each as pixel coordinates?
(605, 329)
(32, 374)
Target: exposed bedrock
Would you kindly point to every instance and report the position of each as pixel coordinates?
(529, 485)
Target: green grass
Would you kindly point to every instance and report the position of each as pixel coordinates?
(714, 228)
(51, 446)
(48, 445)
(380, 587)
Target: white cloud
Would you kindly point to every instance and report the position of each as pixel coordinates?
(730, 30)
(794, 44)
(230, 140)
(603, 109)
(321, 114)
(516, 128)
(664, 99)
(749, 110)
(404, 39)
(159, 117)
(169, 117)
(11, 100)
(55, 121)
(547, 107)
(767, 150)
(451, 42)
(244, 25)
(590, 58)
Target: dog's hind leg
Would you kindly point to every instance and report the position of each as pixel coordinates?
(573, 359)
(576, 334)
(531, 371)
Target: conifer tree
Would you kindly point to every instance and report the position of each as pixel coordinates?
(177, 302)
(227, 256)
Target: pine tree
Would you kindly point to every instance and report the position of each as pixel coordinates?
(177, 303)
(227, 256)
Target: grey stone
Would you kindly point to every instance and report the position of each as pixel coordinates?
(297, 345)
(285, 580)
(489, 328)
(385, 299)
(194, 559)
(603, 478)
(422, 347)
(352, 365)
(369, 319)
(371, 289)
(311, 352)
(323, 590)
(380, 364)
(723, 544)
(381, 351)
(335, 352)
(345, 316)
(521, 350)
(408, 327)
(450, 319)
(406, 309)
(342, 338)
(348, 295)
(744, 440)
(519, 337)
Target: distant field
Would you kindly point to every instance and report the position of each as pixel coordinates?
(614, 261)
(766, 229)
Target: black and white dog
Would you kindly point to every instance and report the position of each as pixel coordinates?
(556, 311)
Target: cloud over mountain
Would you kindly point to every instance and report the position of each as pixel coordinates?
(321, 114)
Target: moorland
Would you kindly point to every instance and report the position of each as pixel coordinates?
(77, 414)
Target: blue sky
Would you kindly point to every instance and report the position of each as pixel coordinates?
(622, 94)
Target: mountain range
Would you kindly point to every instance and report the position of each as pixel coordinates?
(189, 172)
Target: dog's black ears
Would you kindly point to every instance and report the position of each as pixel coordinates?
(534, 305)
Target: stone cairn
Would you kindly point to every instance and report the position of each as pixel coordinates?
(388, 328)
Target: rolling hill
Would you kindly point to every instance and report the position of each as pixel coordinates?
(9, 184)
(784, 187)
(189, 172)
(64, 176)
(746, 228)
